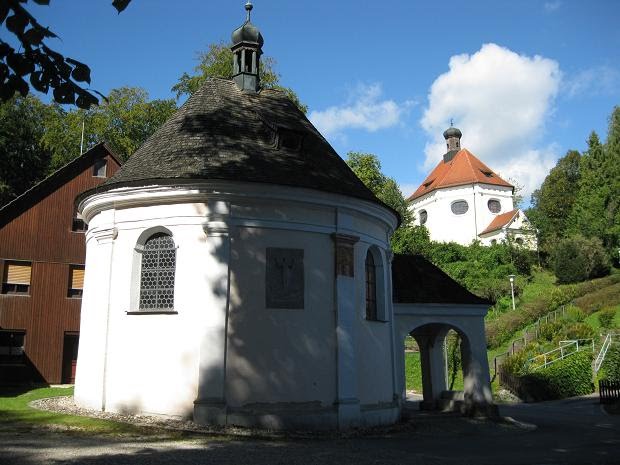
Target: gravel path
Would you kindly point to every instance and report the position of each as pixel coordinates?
(569, 432)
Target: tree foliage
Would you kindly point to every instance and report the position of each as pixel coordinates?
(577, 258)
(34, 60)
(581, 194)
(553, 202)
(23, 157)
(217, 62)
(124, 122)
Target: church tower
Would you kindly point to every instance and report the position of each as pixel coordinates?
(247, 43)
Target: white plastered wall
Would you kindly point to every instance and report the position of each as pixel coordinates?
(445, 226)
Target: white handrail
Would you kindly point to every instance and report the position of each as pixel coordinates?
(562, 349)
(601, 355)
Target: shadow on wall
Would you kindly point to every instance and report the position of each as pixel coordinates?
(272, 355)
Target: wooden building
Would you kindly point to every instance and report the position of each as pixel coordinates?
(42, 253)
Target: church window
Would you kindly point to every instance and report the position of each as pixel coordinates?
(157, 273)
(459, 207)
(423, 216)
(494, 206)
(371, 287)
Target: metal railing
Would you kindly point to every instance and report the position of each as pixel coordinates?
(565, 349)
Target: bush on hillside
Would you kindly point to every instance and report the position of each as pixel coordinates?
(579, 331)
(606, 317)
(578, 258)
(611, 366)
(569, 377)
(548, 331)
(574, 314)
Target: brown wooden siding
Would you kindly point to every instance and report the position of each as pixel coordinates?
(42, 235)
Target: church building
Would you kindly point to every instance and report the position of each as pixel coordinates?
(463, 200)
(239, 273)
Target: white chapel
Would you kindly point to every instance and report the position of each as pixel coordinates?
(239, 273)
(463, 200)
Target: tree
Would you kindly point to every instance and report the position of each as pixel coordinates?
(125, 121)
(217, 61)
(45, 67)
(552, 203)
(23, 158)
(588, 213)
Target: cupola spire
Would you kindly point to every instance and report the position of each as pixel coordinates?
(247, 43)
(453, 142)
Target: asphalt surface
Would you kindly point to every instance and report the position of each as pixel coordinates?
(574, 431)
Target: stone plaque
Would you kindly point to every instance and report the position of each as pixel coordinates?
(284, 286)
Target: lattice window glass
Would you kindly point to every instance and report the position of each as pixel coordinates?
(459, 207)
(157, 273)
(494, 206)
(371, 288)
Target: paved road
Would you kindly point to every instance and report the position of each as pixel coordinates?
(572, 431)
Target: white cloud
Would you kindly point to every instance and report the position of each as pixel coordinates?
(593, 81)
(550, 7)
(500, 100)
(364, 110)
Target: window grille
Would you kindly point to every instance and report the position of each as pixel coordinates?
(371, 288)
(157, 273)
(494, 206)
(459, 207)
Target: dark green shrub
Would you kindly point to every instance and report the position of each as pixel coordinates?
(579, 331)
(565, 378)
(611, 366)
(606, 317)
(578, 258)
(574, 314)
(549, 331)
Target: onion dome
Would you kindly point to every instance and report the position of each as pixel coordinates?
(247, 32)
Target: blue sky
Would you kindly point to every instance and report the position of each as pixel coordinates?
(524, 80)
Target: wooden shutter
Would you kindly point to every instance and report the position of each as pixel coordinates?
(18, 273)
(77, 278)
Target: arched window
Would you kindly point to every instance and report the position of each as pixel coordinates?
(423, 216)
(494, 206)
(157, 273)
(371, 287)
(459, 207)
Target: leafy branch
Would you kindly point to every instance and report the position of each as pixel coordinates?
(37, 65)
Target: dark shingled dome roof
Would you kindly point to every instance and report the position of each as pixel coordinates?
(415, 280)
(222, 133)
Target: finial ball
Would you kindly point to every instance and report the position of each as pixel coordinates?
(249, 6)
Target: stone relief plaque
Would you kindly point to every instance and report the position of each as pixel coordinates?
(284, 278)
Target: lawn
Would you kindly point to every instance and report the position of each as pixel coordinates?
(14, 409)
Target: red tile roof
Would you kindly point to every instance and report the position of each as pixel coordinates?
(500, 221)
(464, 168)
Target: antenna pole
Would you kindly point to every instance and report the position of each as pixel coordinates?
(82, 141)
